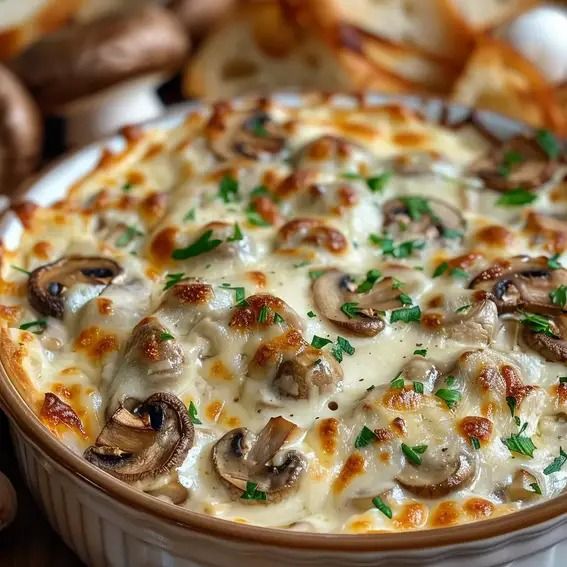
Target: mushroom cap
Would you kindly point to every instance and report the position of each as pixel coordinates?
(240, 457)
(521, 282)
(145, 443)
(21, 132)
(553, 349)
(86, 58)
(48, 283)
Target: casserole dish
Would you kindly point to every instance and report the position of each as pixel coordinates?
(108, 522)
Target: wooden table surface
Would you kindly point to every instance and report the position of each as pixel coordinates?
(29, 541)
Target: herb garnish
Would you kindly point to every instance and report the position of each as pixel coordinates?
(203, 244)
(342, 346)
(558, 296)
(20, 269)
(375, 183)
(364, 438)
(278, 318)
(537, 323)
(130, 232)
(397, 383)
(350, 309)
(475, 443)
(416, 207)
(519, 443)
(420, 352)
(413, 454)
(315, 274)
(548, 143)
(402, 250)
(418, 387)
(236, 235)
(557, 463)
(127, 186)
(511, 401)
(440, 269)
(372, 276)
(406, 314)
(405, 299)
(252, 493)
(516, 197)
(41, 325)
(553, 262)
(189, 215)
(263, 314)
(239, 293)
(228, 189)
(463, 308)
(535, 487)
(382, 506)
(509, 160)
(193, 415)
(449, 395)
(452, 233)
(320, 342)
(173, 279)
(166, 336)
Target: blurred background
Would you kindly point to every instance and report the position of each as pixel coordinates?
(72, 71)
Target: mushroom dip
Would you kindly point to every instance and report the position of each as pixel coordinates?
(321, 318)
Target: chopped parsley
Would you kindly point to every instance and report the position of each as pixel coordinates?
(311, 314)
(535, 488)
(351, 310)
(440, 269)
(263, 314)
(193, 415)
(376, 183)
(20, 269)
(372, 276)
(278, 318)
(449, 395)
(315, 274)
(302, 264)
(189, 215)
(418, 387)
(475, 443)
(519, 443)
(130, 232)
(252, 492)
(416, 207)
(364, 438)
(463, 308)
(255, 218)
(548, 143)
(557, 463)
(228, 189)
(166, 336)
(382, 506)
(553, 262)
(40, 326)
(260, 191)
(396, 283)
(402, 250)
(397, 383)
(511, 401)
(173, 279)
(537, 323)
(459, 273)
(320, 342)
(452, 233)
(342, 346)
(127, 186)
(559, 296)
(405, 299)
(420, 352)
(563, 379)
(239, 293)
(203, 244)
(413, 454)
(406, 314)
(516, 197)
(236, 235)
(509, 160)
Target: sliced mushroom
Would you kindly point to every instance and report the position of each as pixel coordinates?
(521, 282)
(444, 469)
(48, 285)
(241, 457)
(253, 135)
(300, 232)
(261, 311)
(477, 325)
(521, 488)
(333, 151)
(420, 369)
(553, 347)
(334, 289)
(520, 162)
(145, 443)
(429, 218)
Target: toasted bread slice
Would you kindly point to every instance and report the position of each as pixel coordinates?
(24, 21)
(481, 15)
(426, 25)
(257, 49)
(498, 78)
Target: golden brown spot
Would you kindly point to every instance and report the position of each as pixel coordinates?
(10, 313)
(104, 306)
(411, 516)
(136, 177)
(269, 352)
(410, 139)
(62, 390)
(259, 279)
(354, 466)
(432, 320)
(549, 230)
(515, 388)
(402, 399)
(17, 289)
(153, 207)
(446, 514)
(295, 182)
(328, 431)
(154, 150)
(193, 293)
(25, 211)
(248, 317)
(383, 434)
(163, 244)
(465, 261)
(150, 349)
(219, 371)
(561, 390)
(42, 249)
(55, 412)
(475, 426)
(267, 209)
(435, 301)
(95, 342)
(399, 425)
(478, 508)
(495, 235)
(70, 371)
(490, 379)
(213, 410)
(132, 133)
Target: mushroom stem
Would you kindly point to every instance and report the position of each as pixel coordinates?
(104, 113)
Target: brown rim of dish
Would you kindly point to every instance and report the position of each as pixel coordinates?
(26, 421)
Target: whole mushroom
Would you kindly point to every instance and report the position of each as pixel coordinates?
(241, 458)
(21, 131)
(102, 74)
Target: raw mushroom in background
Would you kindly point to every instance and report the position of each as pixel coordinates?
(103, 74)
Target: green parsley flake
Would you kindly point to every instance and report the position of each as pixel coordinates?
(173, 279)
(377, 183)
(537, 323)
(511, 401)
(193, 415)
(452, 233)
(130, 232)
(228, 189)
(278, 318)
(475, 443)
(450, 396)
(420, 352)
(459, 273)
(535, 488)
(252, 493)
(320, 342)
(236, 235)
(17, 268)
(559, 296)
(41, 325)
(351, 310)
(382, 506)
(418, 387)
(189, 215)
(239, 294)
(315, 274)
(203, 244)
(372, 276)
(127, 187)
(166, 336)
(416, 207)
(519, 443)
(311, 314)
(553, 262)
(364, 438)
(516, 197)
(406, 314)
(509, 160)
(463, 308)
(440, 269)
(557, 463)
(397, 383)
(548, 143)
(263, 314)
(405, 299)
(403, 250)
(413, 454)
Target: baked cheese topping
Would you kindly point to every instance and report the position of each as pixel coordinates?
(319, 318)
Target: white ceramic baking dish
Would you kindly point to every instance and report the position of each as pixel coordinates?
(106, 522)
